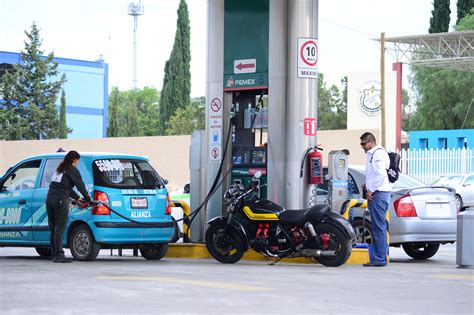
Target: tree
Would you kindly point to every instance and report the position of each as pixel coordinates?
(332, 105)
(30, 92)
(133, 113)
(406, 110)
(187, 119)
(466, 23)
(63, 128)
(113, 129)
(176, 88)
(464, 7)
(439, 22)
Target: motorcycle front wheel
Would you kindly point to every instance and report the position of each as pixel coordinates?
(225, 249)
(333, 239)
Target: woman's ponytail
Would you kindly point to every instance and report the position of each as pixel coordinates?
(68, 159)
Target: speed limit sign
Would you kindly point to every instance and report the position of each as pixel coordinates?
(307, 58)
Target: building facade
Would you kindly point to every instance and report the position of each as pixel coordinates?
(86, 91)
(442, 139)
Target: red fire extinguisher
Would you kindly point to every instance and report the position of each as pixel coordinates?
(315, 165)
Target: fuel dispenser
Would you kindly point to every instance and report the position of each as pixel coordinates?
(337, 177)
(249, 133)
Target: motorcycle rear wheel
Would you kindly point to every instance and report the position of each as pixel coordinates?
(226, 251)
(337, 242)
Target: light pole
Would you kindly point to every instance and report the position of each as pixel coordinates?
(135, 10)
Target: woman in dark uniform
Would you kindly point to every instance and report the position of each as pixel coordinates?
(57, 202)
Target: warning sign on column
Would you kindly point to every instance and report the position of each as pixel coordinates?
(215, 129)
(215, 153)
(307, 58)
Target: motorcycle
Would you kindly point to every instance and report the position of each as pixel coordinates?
(267, 228)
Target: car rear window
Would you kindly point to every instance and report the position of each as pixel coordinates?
(125, 173)
(406, 181)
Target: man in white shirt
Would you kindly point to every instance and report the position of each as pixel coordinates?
(378, 196)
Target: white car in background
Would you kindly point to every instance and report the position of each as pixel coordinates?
(463, 184)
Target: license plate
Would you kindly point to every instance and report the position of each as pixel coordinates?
(139, 203)
(438, 210)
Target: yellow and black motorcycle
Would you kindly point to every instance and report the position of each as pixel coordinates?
(269, 229)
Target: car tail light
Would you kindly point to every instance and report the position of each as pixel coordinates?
(168, 204)
(404, 207)
(100, 209)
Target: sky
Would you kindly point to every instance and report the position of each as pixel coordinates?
(87, 29)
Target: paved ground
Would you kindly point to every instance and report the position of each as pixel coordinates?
(120, 285)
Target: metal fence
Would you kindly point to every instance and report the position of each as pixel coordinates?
(428, 164)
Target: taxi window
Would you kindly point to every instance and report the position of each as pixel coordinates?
(125, 173)
(23, 177)
(49, 169)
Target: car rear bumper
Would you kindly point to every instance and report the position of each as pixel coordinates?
(132, 233)
(409, 230)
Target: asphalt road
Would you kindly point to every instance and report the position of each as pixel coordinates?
(123, 285)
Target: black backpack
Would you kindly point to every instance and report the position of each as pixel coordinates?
(393, 171)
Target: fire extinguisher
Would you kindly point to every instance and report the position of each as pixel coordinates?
(315, 165)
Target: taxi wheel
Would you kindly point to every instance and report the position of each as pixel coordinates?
(43, 251)
(82, 244)
(155, 252)
(176, 233)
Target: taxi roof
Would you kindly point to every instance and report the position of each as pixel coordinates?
(88, 154)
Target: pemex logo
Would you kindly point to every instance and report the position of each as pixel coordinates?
(230, 82)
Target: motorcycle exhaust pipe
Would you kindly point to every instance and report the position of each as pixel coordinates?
(317, 252)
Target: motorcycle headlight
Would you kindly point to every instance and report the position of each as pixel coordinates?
(231, 192)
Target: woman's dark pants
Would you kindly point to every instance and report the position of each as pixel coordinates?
(58, 210)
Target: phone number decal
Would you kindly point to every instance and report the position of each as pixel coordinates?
(10, 215)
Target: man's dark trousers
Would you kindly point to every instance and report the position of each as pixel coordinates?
(378, 208)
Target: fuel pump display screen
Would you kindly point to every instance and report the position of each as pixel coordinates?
(316, 167)
(259, 157)
(242, 158)
(342, 163)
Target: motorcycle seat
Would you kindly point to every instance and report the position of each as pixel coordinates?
(299, 217)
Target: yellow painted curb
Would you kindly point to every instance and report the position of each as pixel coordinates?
(359, 256)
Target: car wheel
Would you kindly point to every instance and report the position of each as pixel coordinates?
(43, 251)
(155, 252)
(82, 244)
(420, 251)
(361, 231)
(459, 204)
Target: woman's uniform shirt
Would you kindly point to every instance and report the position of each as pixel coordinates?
(62, 184)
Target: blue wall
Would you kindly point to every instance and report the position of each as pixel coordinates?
(439, 139)
(86, 91)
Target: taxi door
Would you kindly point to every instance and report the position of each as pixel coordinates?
(39, 217)
(16, 192)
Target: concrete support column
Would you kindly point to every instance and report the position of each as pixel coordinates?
(277, 100)
(302, 97)
(398, 66)
(214, 89)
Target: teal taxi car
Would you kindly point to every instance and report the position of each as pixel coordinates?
(132, 210)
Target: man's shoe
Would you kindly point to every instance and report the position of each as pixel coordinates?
(375, 264)
(62, 260)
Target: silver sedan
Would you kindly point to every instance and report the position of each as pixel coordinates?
(463, 184)
(421, 217)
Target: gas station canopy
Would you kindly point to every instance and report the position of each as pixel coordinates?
(453, 50)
